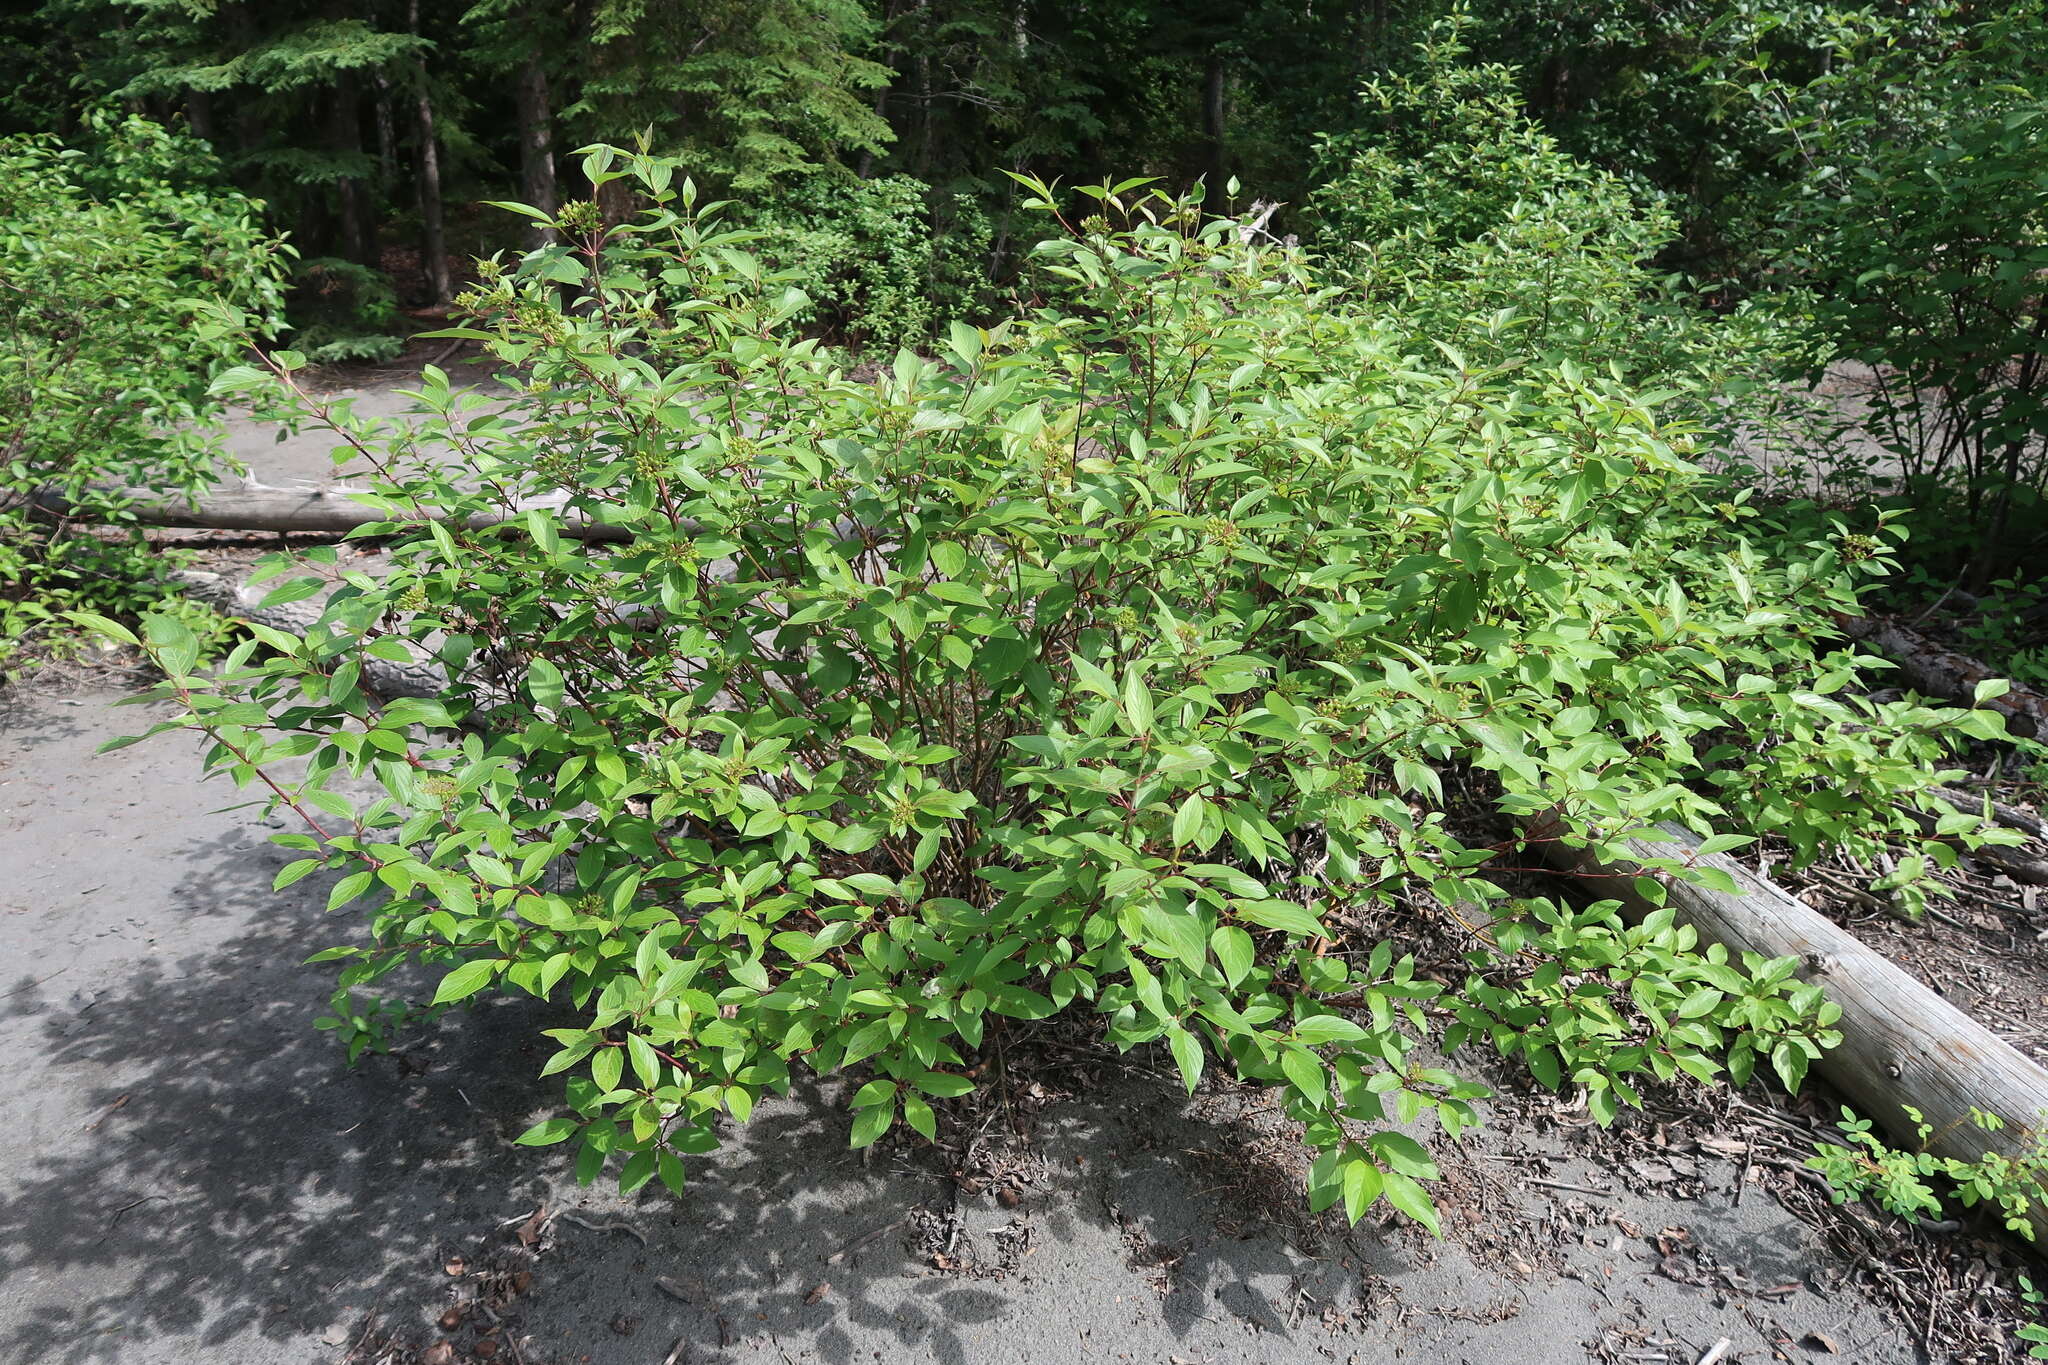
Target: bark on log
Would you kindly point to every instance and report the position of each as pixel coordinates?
(260, 507)
(2011, 816)
(1940, 672)
(2015, 863)
(1902, 1044)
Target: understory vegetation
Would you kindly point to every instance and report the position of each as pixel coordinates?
(921, 578)
(106, 261)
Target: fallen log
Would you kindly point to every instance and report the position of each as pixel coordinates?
(2014, 863)
(261, 507)
(1937, 671)
(1902, 1044)
(2010, 816)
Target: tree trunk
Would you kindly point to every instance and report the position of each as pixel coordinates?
(387, 136)
(1927, 667)
(883, 33)
(199, 114)
(925, 115)
(537, 149)
(433, 241)
(1902, 1045)
(1213, 123)
(354, 212)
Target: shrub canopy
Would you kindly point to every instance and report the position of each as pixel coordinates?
(1132, 657)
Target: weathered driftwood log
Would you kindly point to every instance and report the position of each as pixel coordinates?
(1902, 1044)
(261, 507)
(1939, 672)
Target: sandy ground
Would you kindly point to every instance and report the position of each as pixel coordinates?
(309, 455)
(194, 1175)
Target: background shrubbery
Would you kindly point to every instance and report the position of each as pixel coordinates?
(882, 260)
(109, 253)
(1725, 200)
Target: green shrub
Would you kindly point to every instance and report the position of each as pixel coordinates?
(107, 255)
(343, 311)
(1911, 1184)
(1914, 222)
(1115, 660)
(1452, 209)
(882, 260)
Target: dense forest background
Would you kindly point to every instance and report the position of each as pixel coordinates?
(372, 129)
(1780, 193)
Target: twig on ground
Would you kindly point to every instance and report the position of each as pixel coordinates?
(581, 1222)
(864, 1239)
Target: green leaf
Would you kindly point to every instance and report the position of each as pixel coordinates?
(1137, 702)
(1305, 1070)
(1187, 1055)
(101, 625)
(1399, 1152)
(638, 1170)
(172, 642)
(1174, 932)
(1233, 949)
(918, 1115)
(943, 1084)
(949, 558)
(1990, 689)
(294, 872)
(547, 1133)
(1701, 1002)
(870, 1123)
(1409, 1197)
(1319, 1029)
(1362, 1184)
(867, 1040)
(1284, 915)
(1789, 1060)
(877, 1091)
(467, 980)
(646, 1065)
(544, 684)
(525, 210)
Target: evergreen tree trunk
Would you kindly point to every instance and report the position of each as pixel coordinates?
(355, 211)
(537, 148)
(1213, 122)
(433, 241)
(387, 138)
(199, 114)
(866, 168)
